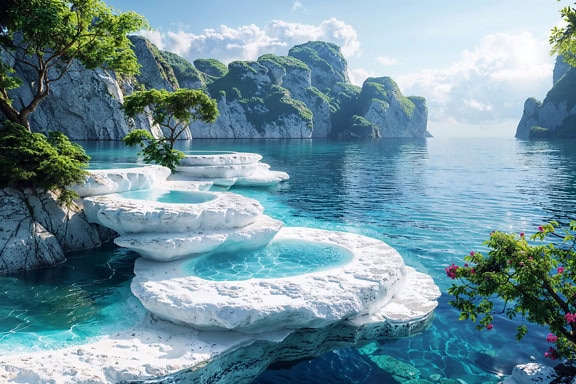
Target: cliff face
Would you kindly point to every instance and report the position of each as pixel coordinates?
(303, 95)
(555, 116)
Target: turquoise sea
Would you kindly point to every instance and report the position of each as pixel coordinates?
(434, 200)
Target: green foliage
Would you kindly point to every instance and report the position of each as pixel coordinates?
(345, 104)
(283, 61)
(33, 160)
(173, 111)
(277, 103)
(384, 89)
(363, 128)
(316, 54)
(184, 71)
(157, 151)
(533, 280)
(563, 39)
(164, 67)
(211, 67)
(46, 35)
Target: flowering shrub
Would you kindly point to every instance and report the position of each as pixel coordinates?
(530, 279)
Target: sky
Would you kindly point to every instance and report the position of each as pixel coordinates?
(475, 62)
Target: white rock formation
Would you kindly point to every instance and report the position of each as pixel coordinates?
(105, 181)
(173, 246)
(36, 230)
(225, 169)
(372, 287)
(155, 351)
(129, 216)
(531, 373)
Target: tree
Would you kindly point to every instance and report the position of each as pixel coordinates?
(43, 162)
(563, 39)
(173, 112)
(46, 36)
(534, 280)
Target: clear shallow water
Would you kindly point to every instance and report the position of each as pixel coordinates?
(168, 196)
(279, 259)
(433, 200)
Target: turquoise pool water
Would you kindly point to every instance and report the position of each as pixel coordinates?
(169, 196)
(278, 259)
(433, 200)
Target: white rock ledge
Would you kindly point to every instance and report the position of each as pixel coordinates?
(173, 246)
(229, 168)
(374, 286)
(104, 181)
(129, 216)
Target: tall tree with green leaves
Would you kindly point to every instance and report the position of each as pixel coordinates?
(563, 39)
(46, 36)
(173, 112)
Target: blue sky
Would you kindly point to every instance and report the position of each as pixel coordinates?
(476, 62)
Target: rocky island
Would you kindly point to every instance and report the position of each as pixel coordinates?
(306, 94)
(555, 116)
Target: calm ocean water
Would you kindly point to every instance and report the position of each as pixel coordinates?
(434, 200)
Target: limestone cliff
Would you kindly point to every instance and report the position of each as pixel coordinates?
(555, 116)
(36, 230)
(303, 95)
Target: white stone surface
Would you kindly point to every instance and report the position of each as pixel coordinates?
(36, 230)
(370, 284)
(162, 352)
(229, 168)
(226, 210)
(220, 158)
(173, 246)
(105, 181)
(531, 373)
(223, 171)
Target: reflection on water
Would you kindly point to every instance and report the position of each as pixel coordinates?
(433, 200)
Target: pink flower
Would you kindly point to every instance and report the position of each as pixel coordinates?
(560, 269)
(551, 338)
(521, 234)
(570, 317)
(541, 229)
(489, 327)
(552, 354)
(451, 271)
(472, 271)
(471, 253)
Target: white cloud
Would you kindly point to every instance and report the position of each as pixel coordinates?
(488, 84)
(475, 104)
(358, 75)
(248, 42)
(386, 60)
(297, 5)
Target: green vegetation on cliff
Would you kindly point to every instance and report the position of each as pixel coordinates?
(384, 89)
(184, 71)
(211, 67)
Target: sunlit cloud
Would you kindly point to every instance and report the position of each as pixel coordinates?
(489, 83)
(386, 60)
(248, 42)
(297, 5)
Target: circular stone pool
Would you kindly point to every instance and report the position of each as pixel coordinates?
(168, 196)
(363, 285)
(284, 258)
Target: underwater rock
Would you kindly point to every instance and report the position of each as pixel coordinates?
(395, 367)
